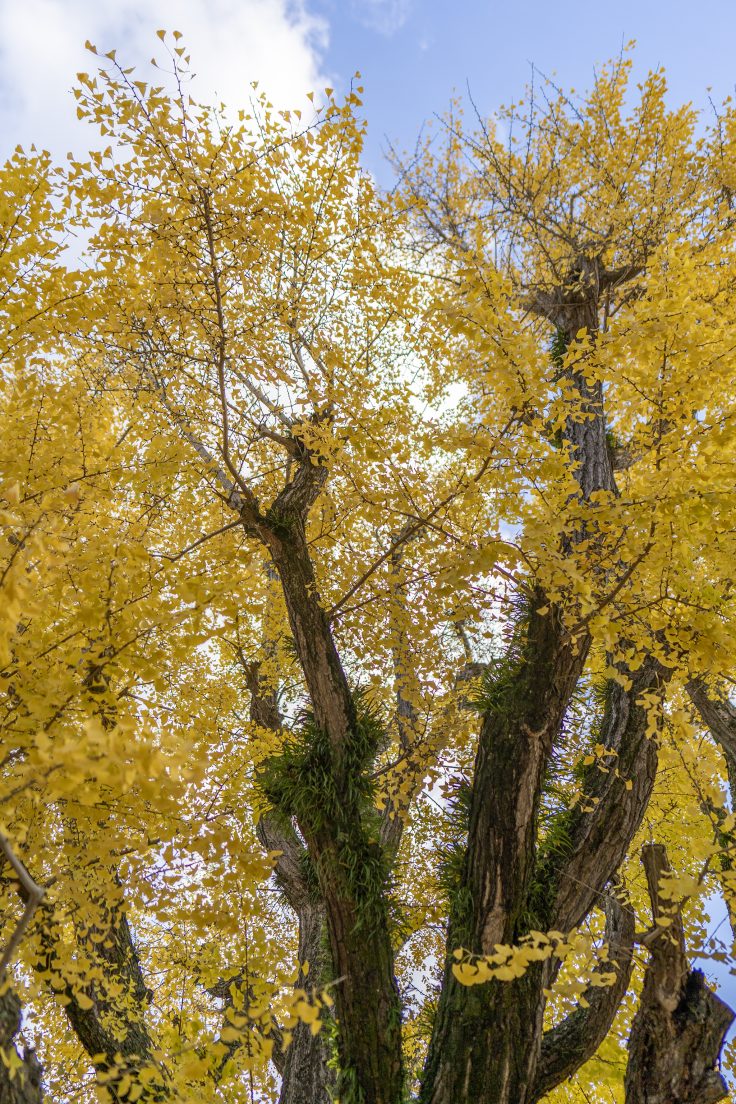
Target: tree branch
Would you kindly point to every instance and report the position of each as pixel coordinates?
(31, 893)
(566, 1047)
(25, 1087)
(600, 829)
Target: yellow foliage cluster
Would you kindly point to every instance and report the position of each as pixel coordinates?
(246, 298)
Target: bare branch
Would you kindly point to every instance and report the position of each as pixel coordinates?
(31, 893)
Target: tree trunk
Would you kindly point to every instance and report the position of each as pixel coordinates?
(306, 1077)
(329, 794)
(487, 1038)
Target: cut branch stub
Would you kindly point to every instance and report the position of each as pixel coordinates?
(679, 1028)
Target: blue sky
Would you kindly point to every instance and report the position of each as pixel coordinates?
(413, 53)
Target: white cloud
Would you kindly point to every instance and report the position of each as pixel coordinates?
(232, 42)
(385, 16)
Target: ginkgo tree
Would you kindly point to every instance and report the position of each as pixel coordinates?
(368, 603)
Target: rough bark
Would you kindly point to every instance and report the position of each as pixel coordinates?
(486, 1038)
(306, 1077)
(571, 307)
(25, 1087)
(366, 993)
(720, 717)
(283, 532)
(680, 1025)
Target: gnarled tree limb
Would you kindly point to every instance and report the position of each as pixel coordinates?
(613, 803)
(568, 1045)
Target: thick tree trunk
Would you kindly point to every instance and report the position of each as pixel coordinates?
(341, 830)
(600, 829)
(680, 1025)
(487, 1038)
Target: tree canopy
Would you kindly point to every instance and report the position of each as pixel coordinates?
(368, 607)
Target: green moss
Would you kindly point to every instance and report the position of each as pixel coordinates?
(301, 782)
(280, 522)
(309, 875)
(348, 1088)
(451, 871)
(554, 850)
(558, 347)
